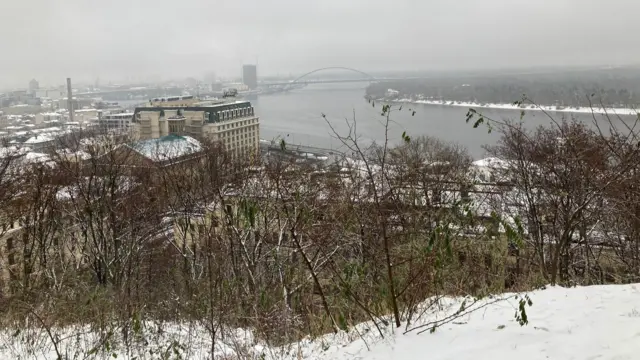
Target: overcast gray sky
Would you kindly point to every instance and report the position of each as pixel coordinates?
(137, 39)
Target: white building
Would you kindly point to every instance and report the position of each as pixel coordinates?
(118, 121)
(46, 118)
(83, 116)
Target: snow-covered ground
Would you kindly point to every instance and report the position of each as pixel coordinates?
(549, 108)
(598, 322)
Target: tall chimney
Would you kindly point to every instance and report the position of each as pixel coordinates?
(69, 99)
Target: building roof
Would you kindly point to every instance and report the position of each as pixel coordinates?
(71, 154)
(35, 157)
(202, 106)
(86, 184)
(173, 98)
(39, 139)
(167, 148)
(491, 162)
(12, 151)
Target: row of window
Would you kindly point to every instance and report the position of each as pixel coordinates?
(231, 114)
(245, 132)
(231, 141)
(237, 124)
(246, 129)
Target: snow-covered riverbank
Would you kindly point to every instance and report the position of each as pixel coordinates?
(549, 108)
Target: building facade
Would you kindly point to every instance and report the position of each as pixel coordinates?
(45, 118)
(232, 124)
(115, 121)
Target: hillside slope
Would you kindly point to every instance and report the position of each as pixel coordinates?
(598, 322)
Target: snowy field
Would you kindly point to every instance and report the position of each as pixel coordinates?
(598, 322)
(548, 108)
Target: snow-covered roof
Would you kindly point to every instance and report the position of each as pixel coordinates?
(94, 141)
(37, 157)
(167, 147)
(491, 162)
(12, 151)
(95, 184)
(70, 154)
(39, 139)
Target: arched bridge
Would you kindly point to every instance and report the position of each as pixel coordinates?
(300, 79)
(367, 76)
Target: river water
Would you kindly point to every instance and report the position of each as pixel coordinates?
(297, 117)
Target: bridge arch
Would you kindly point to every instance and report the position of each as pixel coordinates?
(332, 68)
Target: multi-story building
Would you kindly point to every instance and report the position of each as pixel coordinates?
(250, 76)
(233, 124)
(83, 116)
(33, 86)
(46, 118)
(115, 120)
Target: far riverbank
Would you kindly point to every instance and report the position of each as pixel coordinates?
(528, 107)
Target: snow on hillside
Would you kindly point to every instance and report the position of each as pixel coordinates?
(598, 322)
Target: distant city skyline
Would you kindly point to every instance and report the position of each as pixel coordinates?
(207, 76)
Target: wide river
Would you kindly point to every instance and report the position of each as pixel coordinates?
(297, 117)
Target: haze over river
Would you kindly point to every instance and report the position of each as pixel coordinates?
(297, 116)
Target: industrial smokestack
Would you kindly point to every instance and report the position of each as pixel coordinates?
(69, 99)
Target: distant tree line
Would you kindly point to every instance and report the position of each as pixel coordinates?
(615, 88)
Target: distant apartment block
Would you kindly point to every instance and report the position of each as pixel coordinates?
(33, 86)
(232, 124)
(250, 76)
(47, 118)
(119, 121)
(86, 116)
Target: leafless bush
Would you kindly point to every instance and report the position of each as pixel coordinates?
(569, 183)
